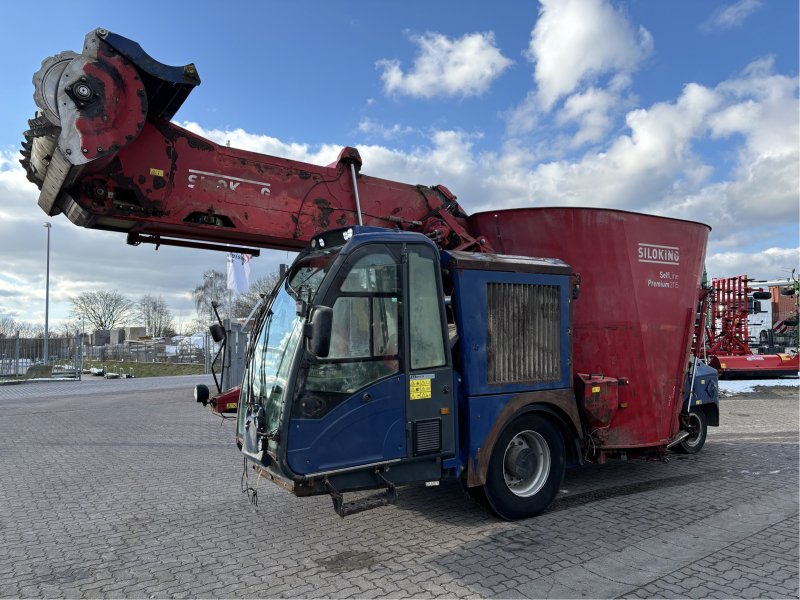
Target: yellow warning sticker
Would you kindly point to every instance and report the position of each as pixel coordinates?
(596, 389)
(420, 389)
(231, 405)
(157, 172)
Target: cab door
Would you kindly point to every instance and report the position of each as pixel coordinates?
(430, 407)
(351, 405)
(384, 392)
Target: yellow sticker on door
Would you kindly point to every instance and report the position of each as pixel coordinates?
(420, 386)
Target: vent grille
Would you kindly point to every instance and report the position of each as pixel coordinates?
(524, 341)
(427, 436)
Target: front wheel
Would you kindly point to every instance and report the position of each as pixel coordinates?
(526, 468)
(698, 429)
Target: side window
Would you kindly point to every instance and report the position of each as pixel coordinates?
(425, 325)
(365, 334)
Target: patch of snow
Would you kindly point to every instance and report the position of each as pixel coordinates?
(741, 386)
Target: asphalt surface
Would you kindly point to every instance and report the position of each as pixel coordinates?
(127, 488)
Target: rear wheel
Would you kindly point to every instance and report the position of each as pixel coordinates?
(526, 468)
(698, 429)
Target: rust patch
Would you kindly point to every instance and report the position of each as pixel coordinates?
(561, 399)
(323, 218)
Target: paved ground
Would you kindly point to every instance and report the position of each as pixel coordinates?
(126, 488)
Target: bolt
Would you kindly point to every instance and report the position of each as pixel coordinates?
(69, 151)
(82, 91)
(84, 150)
(99, 148)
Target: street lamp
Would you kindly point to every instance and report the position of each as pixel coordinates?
(47, 297)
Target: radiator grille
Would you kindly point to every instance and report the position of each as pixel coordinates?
(427, 436)
(523, 342)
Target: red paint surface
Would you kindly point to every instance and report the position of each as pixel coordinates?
(756, 365)
(633, 319)
(226, 402)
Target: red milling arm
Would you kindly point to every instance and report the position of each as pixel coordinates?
(106, 155)
(172, 183)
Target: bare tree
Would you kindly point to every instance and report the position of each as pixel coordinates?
(213, 289)
(154, 314)
(29, 329)
(244, 303)
(8, 327)
(70, 327)
(102, 309)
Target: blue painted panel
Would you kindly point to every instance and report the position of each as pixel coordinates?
(354, 433)
(470, 299)
(706, 386)
(483, 412)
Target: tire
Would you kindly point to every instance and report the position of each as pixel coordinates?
(698, 429)
(478, 495)
(526, 468)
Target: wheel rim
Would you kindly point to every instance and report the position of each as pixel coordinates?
(695, 430)
(526, 463)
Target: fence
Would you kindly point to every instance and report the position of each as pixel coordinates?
(67, 357)
(17, 355)
(149, 351)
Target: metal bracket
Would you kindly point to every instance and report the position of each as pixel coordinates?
(343, 509)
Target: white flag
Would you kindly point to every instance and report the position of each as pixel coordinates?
(239, 272)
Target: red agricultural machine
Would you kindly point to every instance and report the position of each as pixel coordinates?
(734, 332)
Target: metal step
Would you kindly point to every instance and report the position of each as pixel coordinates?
(343, 509)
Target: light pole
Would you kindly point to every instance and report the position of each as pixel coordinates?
(47, 297)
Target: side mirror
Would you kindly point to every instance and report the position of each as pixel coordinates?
(762, 296)
(318, 331)
(217, 332)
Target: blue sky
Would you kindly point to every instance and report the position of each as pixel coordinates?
(682, 108)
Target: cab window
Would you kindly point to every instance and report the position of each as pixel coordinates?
(425, 321)
(365, 334)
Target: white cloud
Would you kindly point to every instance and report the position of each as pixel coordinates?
(265, 144)
(637, 168)
(776, 263)
(465, 66)
(575, 41)
(590, 110)
(372, 127)
(731, 15)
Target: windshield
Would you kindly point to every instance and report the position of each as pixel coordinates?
(276, 336)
